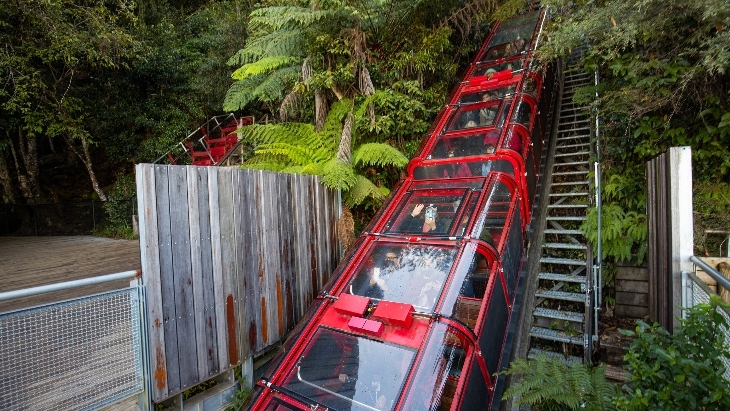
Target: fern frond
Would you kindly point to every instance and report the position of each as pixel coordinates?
(241, 93)
(263, 66)
(275, 133)
(278, 81)
(338, 176)
(277, 43)
(379, 154)
(363, 189)
(279, 17)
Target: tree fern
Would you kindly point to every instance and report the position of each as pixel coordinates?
(338, 175)
(362, 189)
(378, 154)
(263, 66)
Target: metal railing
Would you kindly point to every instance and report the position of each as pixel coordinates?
(78, 354)
(695, 291)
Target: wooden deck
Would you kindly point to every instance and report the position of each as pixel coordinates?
(33, 261)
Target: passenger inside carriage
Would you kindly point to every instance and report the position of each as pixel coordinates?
(415, 276)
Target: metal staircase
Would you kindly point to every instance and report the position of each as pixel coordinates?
(562, 318)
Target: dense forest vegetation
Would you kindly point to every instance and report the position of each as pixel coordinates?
(91, 87)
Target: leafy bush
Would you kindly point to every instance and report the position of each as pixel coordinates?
(683, 371)
(623, 233)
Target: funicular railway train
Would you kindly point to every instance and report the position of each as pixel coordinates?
(416, 315)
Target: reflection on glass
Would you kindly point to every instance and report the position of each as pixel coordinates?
(483, 142)
(348, 372)
(497, 211)
(439, 371)
(488, 95)
(277, 405)
(492, 69)
(404, 273)
(477, 117)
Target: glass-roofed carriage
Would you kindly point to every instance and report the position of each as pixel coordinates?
(416, 315)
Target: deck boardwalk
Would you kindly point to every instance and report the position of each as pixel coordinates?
(34, 261)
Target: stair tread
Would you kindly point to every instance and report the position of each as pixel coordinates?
(564, 261)
(570, 164)
(568, 206)
(576, 153)
(556, 231)
(555, 335)
(566, 218)
(571, 194)
(559, 314)
(582, 182)
(561, 295)
(561, 277)
(570, 173)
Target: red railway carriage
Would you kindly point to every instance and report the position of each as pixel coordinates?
(416, 316)
(416, 319)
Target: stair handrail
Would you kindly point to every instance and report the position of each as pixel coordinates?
(598, 265)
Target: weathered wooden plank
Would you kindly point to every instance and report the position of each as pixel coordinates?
(287, 275)
(631, 311)
(167, 282)
(247, 265)
(183, 276)
(632, 273)
(218, 287)
(228, 256)
(623, 298)
(150, 255)
(240, 217)
(196, 266)
(251, 267)
(632, 286)
(266, 299)
(275, 275)
(206, 264)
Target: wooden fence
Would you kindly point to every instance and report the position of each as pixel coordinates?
(670, 232)
(231, 258)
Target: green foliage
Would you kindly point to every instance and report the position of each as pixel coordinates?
(681, 371)
(711, 202)
(553, 385)
(241, 396)
(623, 233)
(663, 69)
(298, 148)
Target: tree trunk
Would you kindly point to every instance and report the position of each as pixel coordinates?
(86, 159)
(7, 182)
(367, 88)
(26, 166)
(321, 109)
(344, 152)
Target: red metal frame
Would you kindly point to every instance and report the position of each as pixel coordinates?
(397, 322)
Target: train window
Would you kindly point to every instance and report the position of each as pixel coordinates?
(488, 95)
(426, 212)
(481, 116)
(522, 114)
(514, 139)
(496, 165)
(472, 184)
(473, 144)
(344, 371)
(440, 370)
(410, 274)
(496, 213)
(529, 86)
(512, 254)
(487, 69)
